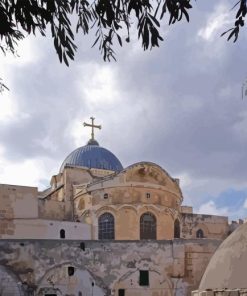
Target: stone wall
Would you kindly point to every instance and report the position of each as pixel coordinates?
(51, 209)
(18, 202)
(9, 283)
(215, 227)
(46, 229)
(106, 267)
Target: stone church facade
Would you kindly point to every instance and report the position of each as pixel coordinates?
(101, 229)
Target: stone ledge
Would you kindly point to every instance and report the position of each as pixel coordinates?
(220, 292)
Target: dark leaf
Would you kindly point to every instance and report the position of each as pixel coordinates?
(96, 40)
(65, 59)
(119, 40)
(154, 20)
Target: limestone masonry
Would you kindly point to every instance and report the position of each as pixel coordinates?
(101, 229)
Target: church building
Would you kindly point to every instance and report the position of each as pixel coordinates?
(102, 229)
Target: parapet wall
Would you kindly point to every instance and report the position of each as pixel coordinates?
(46, 266)
(18, 202)
(226, 292)
(213, 227)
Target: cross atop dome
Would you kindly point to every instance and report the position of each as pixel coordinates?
(92, 141)
(92, 155)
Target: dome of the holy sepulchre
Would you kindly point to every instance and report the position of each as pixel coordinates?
(93, 156)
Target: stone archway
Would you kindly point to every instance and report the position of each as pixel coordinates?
(48, 291)
(68, 279)
(143, 283)
(10, 285)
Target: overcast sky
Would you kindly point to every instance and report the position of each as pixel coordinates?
(179, 106)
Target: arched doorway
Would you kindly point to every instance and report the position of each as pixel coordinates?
(68, 279)
(132, 283)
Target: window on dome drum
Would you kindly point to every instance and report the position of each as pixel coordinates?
(148, 195)
(147, 226)
(176, 229)
(144, 278)
(106, 226)
(105, 195)
(199, 233)
(62, 233)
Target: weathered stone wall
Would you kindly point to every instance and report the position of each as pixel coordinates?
(71, 177)
(215, 227)
(51, 209)
(186, 209)
(18, 202)
(9, 283)
(103, 267)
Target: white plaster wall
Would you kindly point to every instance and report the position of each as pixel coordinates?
(80, 283)
(48, 229)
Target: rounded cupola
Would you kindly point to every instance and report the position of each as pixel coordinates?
(93, 156)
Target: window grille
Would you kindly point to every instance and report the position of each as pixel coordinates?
(148, 226)
(106, 226)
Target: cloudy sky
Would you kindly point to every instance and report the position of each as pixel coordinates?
(179, 106)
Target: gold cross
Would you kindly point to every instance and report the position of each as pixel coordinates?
(92, 126)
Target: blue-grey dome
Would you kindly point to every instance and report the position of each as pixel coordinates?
(93, 156)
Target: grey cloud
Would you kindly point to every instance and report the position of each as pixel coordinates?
(177, 106)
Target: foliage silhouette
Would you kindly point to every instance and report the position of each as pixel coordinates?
(109, 20)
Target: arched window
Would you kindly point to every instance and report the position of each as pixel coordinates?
(106, 226)
(62, 233)
(199, 233)
(148, 226)
(176, 229)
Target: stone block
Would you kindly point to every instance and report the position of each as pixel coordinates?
(243, 292)
(233, 292)
(178, 268)
(178, 251)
